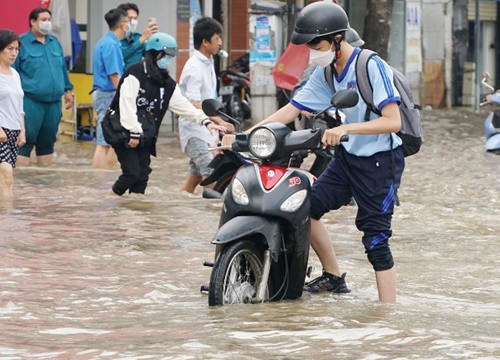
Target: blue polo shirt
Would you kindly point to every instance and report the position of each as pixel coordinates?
(42, 69)
(132, 49)
(107, 60)
(315, 96)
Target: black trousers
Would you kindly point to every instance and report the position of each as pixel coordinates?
(135, 169)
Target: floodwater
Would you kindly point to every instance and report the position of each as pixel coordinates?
(87, 276)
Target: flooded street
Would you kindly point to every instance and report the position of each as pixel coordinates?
(84, 275)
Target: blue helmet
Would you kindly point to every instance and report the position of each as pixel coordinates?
(162, 42)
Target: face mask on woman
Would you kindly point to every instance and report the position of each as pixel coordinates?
(321, 58)
(45, 27)
(164, 62)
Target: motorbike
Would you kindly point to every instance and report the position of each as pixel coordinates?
(491, 123)
(234, 90)
(263, 237)
(226, 164)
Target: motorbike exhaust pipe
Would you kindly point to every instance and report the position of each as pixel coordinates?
(261, 289)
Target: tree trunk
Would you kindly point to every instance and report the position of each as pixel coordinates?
(378, 26)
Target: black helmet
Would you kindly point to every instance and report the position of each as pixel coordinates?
(353, 38)
(318, 19)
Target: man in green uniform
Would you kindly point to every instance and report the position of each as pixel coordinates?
(45, 80)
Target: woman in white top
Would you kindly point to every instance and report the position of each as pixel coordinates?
(12, 132)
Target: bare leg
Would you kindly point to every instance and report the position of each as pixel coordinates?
(6, 179)
(45, 159)
(104, 157)
(322, 245)
(191, 183)
(22, 160)
(386, 284)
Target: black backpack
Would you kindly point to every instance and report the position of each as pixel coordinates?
(411, 132)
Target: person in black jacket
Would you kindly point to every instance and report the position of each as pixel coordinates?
(146, 91)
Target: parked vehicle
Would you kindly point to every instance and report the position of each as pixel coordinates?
(263, 238)
(491, 123)
(234, 90)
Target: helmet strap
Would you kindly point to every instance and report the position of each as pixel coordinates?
(337, 50)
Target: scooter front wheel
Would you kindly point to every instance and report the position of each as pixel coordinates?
(236, 274)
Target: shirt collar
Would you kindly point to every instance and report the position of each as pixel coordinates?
(112, 35)
(203, 58)
(32, 38)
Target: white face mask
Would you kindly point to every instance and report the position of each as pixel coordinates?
(45, 27)
(321, 58)
(133, 25)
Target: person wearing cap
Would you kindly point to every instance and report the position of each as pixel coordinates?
(145, 92)
(368, 167)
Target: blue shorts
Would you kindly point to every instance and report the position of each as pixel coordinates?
(373, 182)
(101, 101)
(199, 157)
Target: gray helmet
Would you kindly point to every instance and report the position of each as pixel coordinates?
(353, 38)
(318, 19)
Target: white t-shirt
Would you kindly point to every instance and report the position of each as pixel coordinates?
(197, 83)
(11, 101)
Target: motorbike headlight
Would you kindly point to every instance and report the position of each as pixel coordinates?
(239, 193)
(294, 201)
(262, 143)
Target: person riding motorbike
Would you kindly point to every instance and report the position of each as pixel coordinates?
(369, 166)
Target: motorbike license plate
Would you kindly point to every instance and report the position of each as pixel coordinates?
(226, 90)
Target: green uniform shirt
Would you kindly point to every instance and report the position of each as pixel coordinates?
(132, 49)
(43, 72)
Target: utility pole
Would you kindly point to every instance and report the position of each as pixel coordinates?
(477, 36)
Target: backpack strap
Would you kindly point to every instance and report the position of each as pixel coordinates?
(329, 76)
(365, 87)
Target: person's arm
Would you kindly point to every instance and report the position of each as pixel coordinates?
(181, 106)
(494, 98)
(21, 139)
(285, 115)
(115, 79)
(389, 121)
(128, 109)
(229, 128)
(68, 86)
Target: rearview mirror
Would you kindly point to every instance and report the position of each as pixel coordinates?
(344, 99)
(212, 107)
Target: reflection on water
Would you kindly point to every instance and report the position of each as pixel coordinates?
(87, 275)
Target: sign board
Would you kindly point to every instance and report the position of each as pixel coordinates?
(413, 37)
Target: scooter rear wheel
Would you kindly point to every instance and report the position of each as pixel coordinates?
(236, 274)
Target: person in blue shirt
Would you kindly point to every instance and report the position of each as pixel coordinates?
(108, 66)
(133, 45)
(368, 167)
(45, 80)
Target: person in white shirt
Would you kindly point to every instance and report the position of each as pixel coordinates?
(12, 131)
(198, 82)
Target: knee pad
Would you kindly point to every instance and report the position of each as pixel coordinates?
(380, 256)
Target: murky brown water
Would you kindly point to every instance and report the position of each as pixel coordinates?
(84, 275)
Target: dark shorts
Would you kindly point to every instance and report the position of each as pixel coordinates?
(373, 182)
(9, 149)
